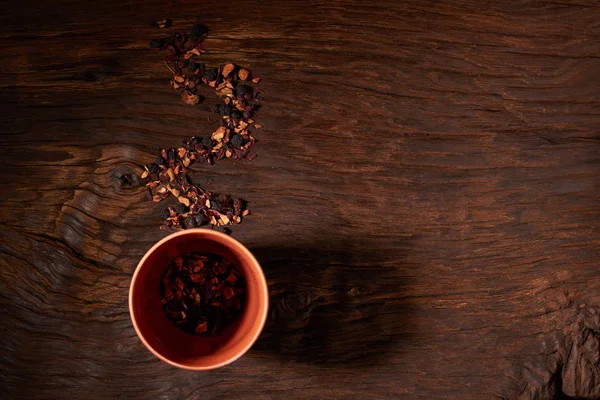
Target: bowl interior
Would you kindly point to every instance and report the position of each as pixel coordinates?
(173, 345)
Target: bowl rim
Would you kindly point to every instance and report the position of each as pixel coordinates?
(230, 242)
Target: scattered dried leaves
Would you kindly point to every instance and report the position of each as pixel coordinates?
(167, 176)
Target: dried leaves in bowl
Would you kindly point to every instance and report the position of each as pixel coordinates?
(202, 293)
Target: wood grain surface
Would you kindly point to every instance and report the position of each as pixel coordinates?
(426, 196)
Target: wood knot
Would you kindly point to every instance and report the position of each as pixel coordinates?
(124, 179)
(572, 369)
(100, 70)
(128, 179)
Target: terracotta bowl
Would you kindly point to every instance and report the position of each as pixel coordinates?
(171, 344)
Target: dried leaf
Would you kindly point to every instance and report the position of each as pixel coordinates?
(237, 219)
(179, 78)
(228, 293)
(224, 219)
(231, 278)
(145, 174)
(219, 134)
(227, 69)
(162, 23)
(191, 83)
(201, 327)
(194, 52)
(243, 74)
(258, 126)
(174, 192)
(181, 151)
(184, 200)
(228, 153)
(189, 98)
(237, 206)
(225, 92)
(256, 79)
(186, 162)
(156, 198)
(171, 174)
(246, 212)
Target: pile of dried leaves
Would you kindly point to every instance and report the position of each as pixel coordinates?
(167, 175)
(202, 293)
(229, 81)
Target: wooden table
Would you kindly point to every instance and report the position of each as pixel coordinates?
(425, 200)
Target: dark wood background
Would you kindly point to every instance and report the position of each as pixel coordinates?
(426, 197)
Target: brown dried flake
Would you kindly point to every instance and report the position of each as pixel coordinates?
(219, 134)
(227, 69)
(184, 200)
(243, 74)
(189, 98)
(173, 191)
(171, 174)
